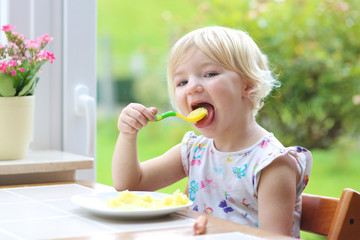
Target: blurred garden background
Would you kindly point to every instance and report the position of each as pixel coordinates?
(314, 49)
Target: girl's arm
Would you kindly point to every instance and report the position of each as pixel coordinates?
(127, 172)
(277, 195)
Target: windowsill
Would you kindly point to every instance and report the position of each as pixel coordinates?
(43, 166)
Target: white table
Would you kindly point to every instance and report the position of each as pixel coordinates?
(45, 211)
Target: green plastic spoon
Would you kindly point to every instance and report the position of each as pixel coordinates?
(193, 117)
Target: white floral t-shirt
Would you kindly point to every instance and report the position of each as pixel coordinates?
(224, 184)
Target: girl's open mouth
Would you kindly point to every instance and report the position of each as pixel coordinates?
(208, 119)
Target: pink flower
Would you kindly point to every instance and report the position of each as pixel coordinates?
(4, 65)
(46, 55)
(7, 28)
(12, 63)
(19, 36)
(41, 55)
(32, 44)
(51, 57)
(13, 45)
(19, 52)
(45, 38)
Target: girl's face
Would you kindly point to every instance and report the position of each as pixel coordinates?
(200, 81)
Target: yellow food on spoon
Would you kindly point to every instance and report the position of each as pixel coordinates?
(197, 115)
(193, 117)
(129, 201)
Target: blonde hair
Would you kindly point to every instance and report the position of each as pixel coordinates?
(233, 49)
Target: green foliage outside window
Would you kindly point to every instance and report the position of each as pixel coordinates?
(315, 51)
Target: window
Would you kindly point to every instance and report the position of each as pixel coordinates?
(65, 106)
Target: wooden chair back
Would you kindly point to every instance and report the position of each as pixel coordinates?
(332, 217)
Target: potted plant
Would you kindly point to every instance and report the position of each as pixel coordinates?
(20, 61)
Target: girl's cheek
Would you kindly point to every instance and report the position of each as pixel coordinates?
(180, 102)
(179, 96)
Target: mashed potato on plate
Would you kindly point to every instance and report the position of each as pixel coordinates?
(127, 200)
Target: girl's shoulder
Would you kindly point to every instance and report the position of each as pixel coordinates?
(271, 149)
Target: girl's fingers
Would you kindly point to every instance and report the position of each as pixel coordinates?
(148, 113)
(134, 117)
(153, 111)
(128, 125)
(134, 121)
(200, 224)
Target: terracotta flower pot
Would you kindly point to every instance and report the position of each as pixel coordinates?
(16, 126)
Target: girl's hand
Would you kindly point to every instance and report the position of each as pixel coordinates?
(134, 117)
(200, 225)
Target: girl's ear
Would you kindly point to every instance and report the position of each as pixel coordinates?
(247, 90)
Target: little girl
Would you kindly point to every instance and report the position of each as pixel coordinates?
(237, 170)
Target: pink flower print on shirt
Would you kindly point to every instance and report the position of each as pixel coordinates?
(208, 210)
(195, 161)
(197, 153)
(208, 184)
(264, 143)
(240, 172)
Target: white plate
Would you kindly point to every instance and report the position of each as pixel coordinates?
(96, 203)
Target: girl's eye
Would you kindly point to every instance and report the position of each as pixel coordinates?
(210, 74)
(182, 83)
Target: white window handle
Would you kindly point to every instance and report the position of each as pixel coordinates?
(85, 105)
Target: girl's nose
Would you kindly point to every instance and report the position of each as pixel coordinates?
(194, 86)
